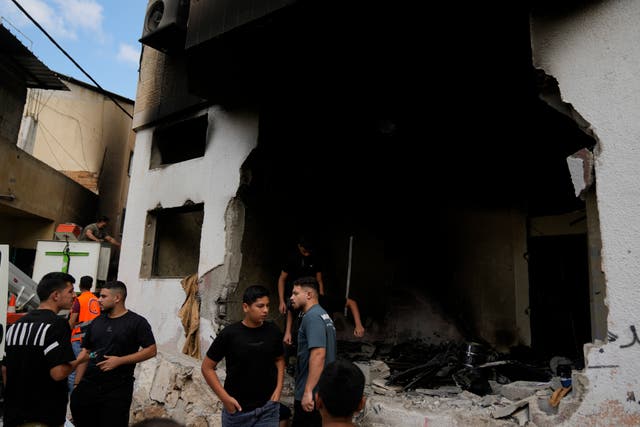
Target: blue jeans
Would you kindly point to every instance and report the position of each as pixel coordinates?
(76, 346)
(265, 416)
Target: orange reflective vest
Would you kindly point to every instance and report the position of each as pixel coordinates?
(89, 310)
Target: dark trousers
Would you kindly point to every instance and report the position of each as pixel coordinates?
(101, 405)
(302, 418)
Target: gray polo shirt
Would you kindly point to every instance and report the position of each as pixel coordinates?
(316, 330)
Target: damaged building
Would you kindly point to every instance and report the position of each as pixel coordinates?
(482, 162)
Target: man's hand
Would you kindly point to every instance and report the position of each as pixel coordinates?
(287, 338)
(359, 331)
(231, 405)
(275, 397)
(283, 307)
(109, 364)
(307, 401)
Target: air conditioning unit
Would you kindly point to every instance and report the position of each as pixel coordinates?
(165, 25)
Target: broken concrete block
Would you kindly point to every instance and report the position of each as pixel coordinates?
(521, 416)
(519, 390)
(505, 411)
(440, 392)
(379, 369)
(489, 400)
(163, 381)
(382, 384)
(366, 371)
(382, 391)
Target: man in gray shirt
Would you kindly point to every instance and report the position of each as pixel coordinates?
(316, 348)
(97, 232)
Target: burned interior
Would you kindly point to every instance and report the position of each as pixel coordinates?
(436, 147)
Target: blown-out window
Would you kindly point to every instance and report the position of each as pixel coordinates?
(172, 241)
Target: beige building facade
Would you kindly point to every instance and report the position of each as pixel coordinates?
(34, 197)
(85, 135)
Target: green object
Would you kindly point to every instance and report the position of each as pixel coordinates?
(66, 256)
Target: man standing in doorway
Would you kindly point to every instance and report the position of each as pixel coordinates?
(253, 351)
(303, 262)
(116, 341)
(316, 348)
(97, 232)
(38, 358)
(85, 308)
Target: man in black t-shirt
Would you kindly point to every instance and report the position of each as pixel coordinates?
(38, 358)
(302, 263)
(252, 350)
(115, 341)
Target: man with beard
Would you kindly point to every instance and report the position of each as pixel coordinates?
(316, 348)
(115, 342)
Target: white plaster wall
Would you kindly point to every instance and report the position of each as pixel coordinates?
(212, 179)
(595, 55)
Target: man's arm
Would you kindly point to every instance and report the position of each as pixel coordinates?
(112, 241)
(62, 371)
(287, 339)
(355, 312)
(280, 366)
(316, 365)
(112, 362)
(73, 320)
(91, 236)
(211, 377)
(281, 281)
(4, 375)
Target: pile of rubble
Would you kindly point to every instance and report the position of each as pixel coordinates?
(413, 383)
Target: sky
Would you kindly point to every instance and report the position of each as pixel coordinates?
(100, 35)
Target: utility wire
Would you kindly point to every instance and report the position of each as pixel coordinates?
(70, 58)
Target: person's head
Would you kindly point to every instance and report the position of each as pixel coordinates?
(340, 391)
(255, 304)
(112, 295)
(85, 283)
(305, 245)
(305, 293)
(102, 221)
(158, 422)
(56, 289)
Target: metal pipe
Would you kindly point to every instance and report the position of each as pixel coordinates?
(349, 271)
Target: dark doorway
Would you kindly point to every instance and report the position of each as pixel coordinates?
(559, 295)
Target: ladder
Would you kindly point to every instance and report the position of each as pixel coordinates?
(24, 288)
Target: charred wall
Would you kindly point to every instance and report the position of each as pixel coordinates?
(428, 144)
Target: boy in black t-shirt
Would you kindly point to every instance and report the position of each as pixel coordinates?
(253, 352)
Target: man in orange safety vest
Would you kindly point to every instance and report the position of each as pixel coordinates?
(85, 308)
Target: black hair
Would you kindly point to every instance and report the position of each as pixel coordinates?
(307, 282)
(341, 387)
(86, 282)
(117, 286)
(306, 242)
(51, 282)
(253, 293)
(103, 218)
(158, 422)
